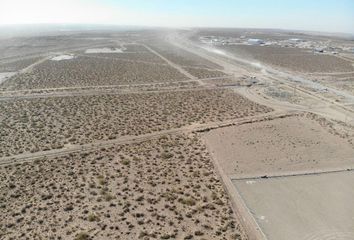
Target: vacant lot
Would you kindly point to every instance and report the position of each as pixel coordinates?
(49, 123)
(160, 189)
(314, 207)
(88, 71)
(281, 145)
(133, 52)
(293, 59)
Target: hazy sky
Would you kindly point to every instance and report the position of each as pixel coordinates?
(318, 15)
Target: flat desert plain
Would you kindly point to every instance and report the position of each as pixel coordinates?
(279, 146)
(146, 134)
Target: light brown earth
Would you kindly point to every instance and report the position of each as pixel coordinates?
(273, 205)
(204, 73)
(139, 186)
(313, 207)
(39, 124)
(159, 189)
(90, 71)
(297, 60)
(112, 172)
(17, 65)
(181, 56)
(279, 146)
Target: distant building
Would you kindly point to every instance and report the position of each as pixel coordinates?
(255, 41)
(319, 50)
(295, 40)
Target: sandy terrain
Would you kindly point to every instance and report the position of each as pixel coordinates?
(160, 189)
(88, 71)
(103, 50)
(293, 59)
(4, 76)
(147, 57)
(17, 65)
(314, 207)
(341, 81)
(180, 56)
(204, 73)
(62, 57)
(281, 145)
(301, 144)
(46, 123)
(107, 145)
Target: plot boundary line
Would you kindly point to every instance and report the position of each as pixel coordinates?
(295, 173)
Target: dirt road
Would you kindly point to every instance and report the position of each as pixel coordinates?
(131, 139)
(236, 65)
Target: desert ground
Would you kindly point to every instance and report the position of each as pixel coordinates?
(85, 119)
(164, 188)
(298, 143)
(301, 211)
(284, 174)
(156, 134)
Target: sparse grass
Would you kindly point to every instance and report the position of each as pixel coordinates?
(187, 201)
(82, 236)
(92, 218)
(151, 191)
(91, 71)
(166, 155)
(108, 197)
(125, 162)
(53, 122)
(118, 191)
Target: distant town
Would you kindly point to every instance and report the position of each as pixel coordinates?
(325, 47)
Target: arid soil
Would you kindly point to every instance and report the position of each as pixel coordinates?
(282, 145)
(17, 65)
(133, 52)
(298, 201)
(342, 81)
(304, 61)
(50, 123)
(159, 189)
(88, 71)
(180, 56)
(204, 73)
(144, 125)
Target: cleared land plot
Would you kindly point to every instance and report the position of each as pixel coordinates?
(132, 52)
(88, 71)
(159, 189)
(50, 123)
(293, 59)
(313, 207)
(279, 146)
